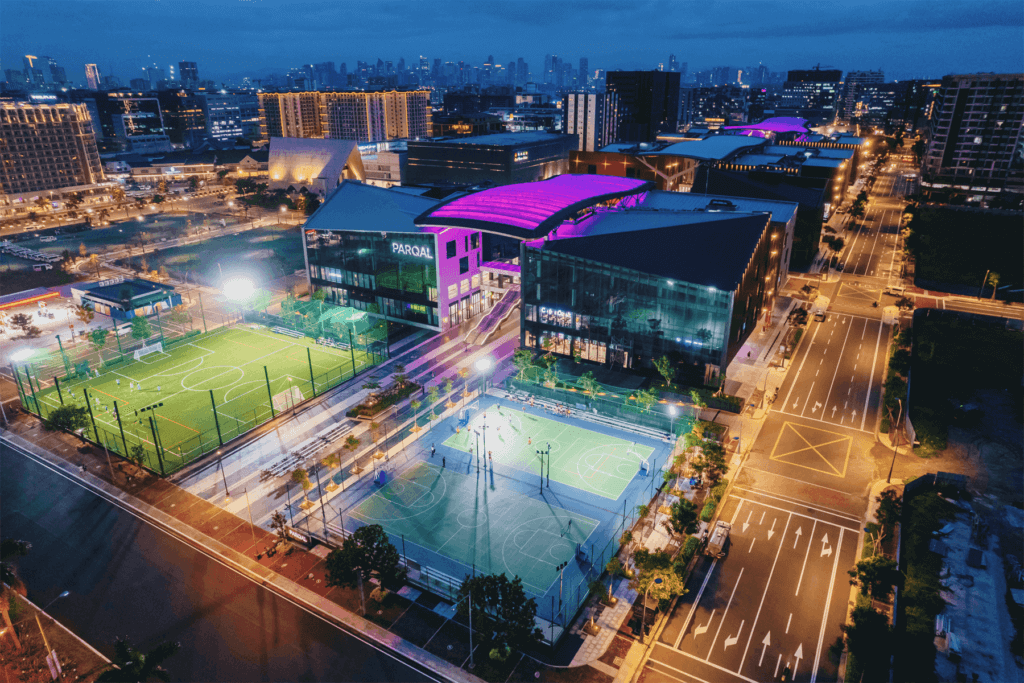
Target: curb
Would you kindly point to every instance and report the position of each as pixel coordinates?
(285, 588)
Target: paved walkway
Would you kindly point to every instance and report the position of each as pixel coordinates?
(609, 622)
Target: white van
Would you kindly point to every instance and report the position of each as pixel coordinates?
(895, 290)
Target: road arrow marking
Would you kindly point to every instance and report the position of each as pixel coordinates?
(855, 415)
(817, 404)
(795, 402)
(704, 629)
(766, 642)
(732, 640)
(746, 524)
(798, 656)
(825, 550)
(772, 530)
(834, 408)
(799, 533)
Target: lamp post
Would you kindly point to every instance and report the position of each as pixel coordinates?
(899, 415)
(51, 655)
(643, 621)
(482, 366)
(672, 420)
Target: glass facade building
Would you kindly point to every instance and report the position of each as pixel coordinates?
(619, 316)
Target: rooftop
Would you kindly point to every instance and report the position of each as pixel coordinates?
(502, 139)
(710, 249)
(758, 159)
(776, 124)
(355, 206)
(781, 211)
(714, 148)
(529, 210)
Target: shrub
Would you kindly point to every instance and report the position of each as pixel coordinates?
(708, 512)
(685, 555)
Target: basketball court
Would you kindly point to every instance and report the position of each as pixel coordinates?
(486, 530)
(596, 463)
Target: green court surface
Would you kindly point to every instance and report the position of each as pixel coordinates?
(173, 387)
(586, 460)
(461, 517)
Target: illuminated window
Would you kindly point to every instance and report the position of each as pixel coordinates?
(453, 291)
(464, 286)
(475, 281)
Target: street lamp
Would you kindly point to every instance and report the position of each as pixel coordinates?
(643, 621)
(482, 366)
(672, 420)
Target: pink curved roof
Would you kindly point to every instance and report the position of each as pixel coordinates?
(778, 124)
(527, 206)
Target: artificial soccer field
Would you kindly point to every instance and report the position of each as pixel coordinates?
(230, 362)
(461, 517)
(592, 462)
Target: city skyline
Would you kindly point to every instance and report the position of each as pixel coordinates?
(123, 39)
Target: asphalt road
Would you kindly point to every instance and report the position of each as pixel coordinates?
(779, 596)
(129, 578)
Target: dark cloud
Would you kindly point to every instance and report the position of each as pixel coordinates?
(235, 37)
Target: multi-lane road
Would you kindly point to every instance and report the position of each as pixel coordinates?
(772, 607)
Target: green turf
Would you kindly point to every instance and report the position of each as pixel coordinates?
(228, 361)
(461, 517)
(586, 460)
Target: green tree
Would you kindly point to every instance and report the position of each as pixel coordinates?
(683, 517)
(372, 384)
(876, 575)
(699, 404)
(120, 198)
(279, 523)
(664, 367)
(21, 321)
(710, 461)
(400, 376)
(310, 205)
(652, 566)
(68, 417)
(136, 455)
(589, 384)
(141, 329)
(158, 199)
(889, 508)
(415, 405)
(449, 385)
(193, 183)
(993, 281)
(366, 553)
(73, 201)
(868, 639)
(301, 477)
(161, 187)
(646, 398)
(130, 665)
(900, 361)
(85, 313)
(503, 616)
(522, 358)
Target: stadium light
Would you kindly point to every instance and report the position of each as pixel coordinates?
(239, 289)
(22, 354)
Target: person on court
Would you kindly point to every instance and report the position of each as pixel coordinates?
(118, 380)
(442, 462)
(432, 450)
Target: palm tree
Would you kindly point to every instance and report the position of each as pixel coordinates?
(133, 666)
(993, 279)
(415, 405)
(120, 198)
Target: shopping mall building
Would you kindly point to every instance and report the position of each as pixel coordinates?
(608, 267)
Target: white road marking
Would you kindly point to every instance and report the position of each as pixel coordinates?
(732, 640)
(696, 601)
(752, 542)
(837, 367)
(871, 377)
(765, 593)
(799, 533)
(701, 630)
(788, 621)
(726, 612)
(824, 616)
(807, 352)
(777, 662)
(766, 642)
(802, 568)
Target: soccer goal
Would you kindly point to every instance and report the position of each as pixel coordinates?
(148, 349)
(288, 398)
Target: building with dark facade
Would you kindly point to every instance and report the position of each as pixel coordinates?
(854, 96)
(465, 125)
(812, 94)
(976, 149)
(499, 159)
(184, 117)
(648, 103)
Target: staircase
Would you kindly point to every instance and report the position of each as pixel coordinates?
(495, 317)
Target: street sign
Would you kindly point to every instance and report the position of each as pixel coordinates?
(54, 665)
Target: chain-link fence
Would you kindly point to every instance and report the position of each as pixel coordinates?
(55, 378)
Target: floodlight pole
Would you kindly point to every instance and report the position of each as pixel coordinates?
(201, 311)
(270, 396)
(156, 446)
(216, 421)
(124, 442)
(85, 393)
(352, 350)
(60, 395)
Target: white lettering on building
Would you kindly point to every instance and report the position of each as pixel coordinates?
(411, 250)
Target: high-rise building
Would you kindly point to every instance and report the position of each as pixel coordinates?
(813, 93)
(584, 75)
(976, 144)
(184, 117)
(592, 117)
(92, 76)
(154, 75)
(46, 147)
(188, 74)
(231, 115)
(522, 72)
(853, 87)
(375, 116)
(673, 65)
(548, 62)
(648, 103)
(290, 115)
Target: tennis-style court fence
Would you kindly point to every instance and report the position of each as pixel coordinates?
(143, 444)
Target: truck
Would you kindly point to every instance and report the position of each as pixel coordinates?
(719, 539)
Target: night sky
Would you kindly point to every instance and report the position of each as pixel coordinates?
(233, 38)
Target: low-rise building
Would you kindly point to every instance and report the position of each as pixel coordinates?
(498, 159)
